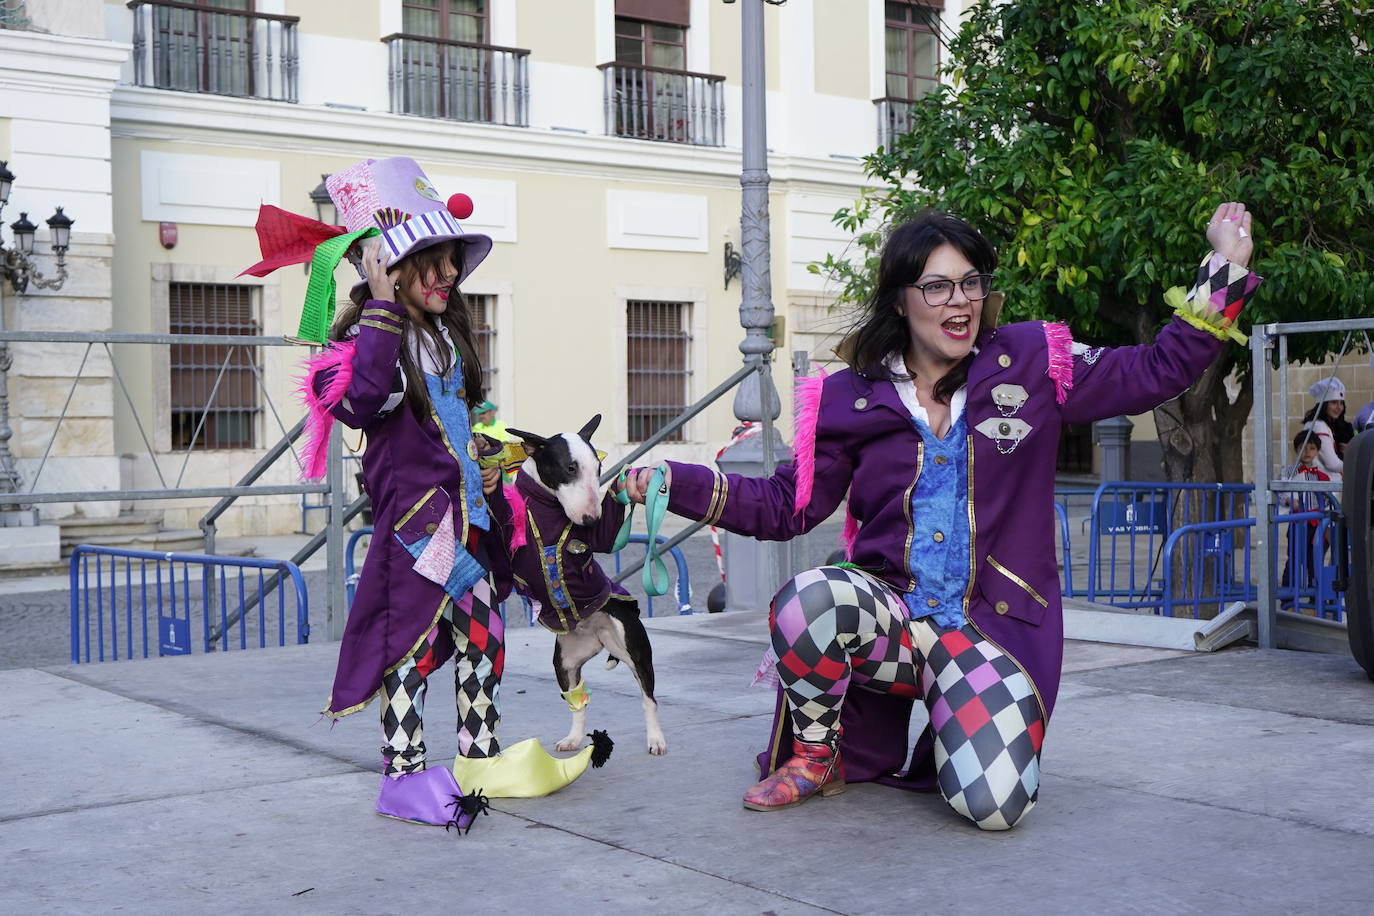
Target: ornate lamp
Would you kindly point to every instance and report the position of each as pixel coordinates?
(18, 267)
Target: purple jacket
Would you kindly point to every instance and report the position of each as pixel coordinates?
(866, 445)
(413, 477)
(553, 563)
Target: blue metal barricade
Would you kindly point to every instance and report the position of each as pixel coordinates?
(683, 586)
(1129, 525)
(1329, 601)
(99, 636)
(1203, 557)
(1211, 565)
(1066, 501)
(684, 582)
(1062, 514)
(350, 564)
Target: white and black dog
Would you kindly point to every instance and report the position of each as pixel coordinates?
(560, 520)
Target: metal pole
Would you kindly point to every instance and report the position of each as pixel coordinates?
(756, 395)
(337, 604)
(756, 399)
(1261, 343)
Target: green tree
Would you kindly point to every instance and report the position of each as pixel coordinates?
(1091, 141)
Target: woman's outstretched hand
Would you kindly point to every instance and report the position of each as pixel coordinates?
(637, 483)
(1228, 232)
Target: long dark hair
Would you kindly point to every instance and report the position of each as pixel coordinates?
(1341, 430)
(881, 330)
(424, 265)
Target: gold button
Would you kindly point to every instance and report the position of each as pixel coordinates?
(860, 403)
(1004, 361)
(1001, 607)
(479, 502)
(941, 459)
(431, 528)
(472, 449)
(933, 602)
(939, 536)
(1004, 428)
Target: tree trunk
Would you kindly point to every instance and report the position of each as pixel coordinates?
(1202, 436)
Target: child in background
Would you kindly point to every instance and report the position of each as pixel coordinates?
(1306, 449)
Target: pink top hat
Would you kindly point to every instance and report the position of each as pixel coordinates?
(396, 196)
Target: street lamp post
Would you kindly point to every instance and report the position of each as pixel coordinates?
(754, 569)
(756, 399)
(17, 266)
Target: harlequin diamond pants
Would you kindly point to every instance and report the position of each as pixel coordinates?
(833, 627)
(479, 658)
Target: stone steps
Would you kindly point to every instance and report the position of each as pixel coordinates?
(164, 541)
(76, 529)
(129, 531)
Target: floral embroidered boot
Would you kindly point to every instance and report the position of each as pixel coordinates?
(813, 767)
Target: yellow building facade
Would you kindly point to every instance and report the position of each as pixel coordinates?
(600, 143)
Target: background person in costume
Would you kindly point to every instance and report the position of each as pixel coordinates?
(484, 422)
(1302, 535)
(1364, 418)
(1328, 426)
(511, 454)
(403, 368)
(944, 432)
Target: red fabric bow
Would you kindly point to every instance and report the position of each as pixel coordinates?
(287, 238)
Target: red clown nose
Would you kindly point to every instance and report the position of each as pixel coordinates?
(460, 205)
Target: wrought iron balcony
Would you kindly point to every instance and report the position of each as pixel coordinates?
(459, 80)
(894, 114)
(654, 103)
(192, 48)
(894, 119)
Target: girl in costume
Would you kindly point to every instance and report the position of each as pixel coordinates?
(1327, 425)
(403, 368)
(944, 432)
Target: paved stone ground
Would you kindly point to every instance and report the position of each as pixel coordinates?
(1173, 783)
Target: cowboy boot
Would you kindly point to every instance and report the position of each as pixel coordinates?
(813, 767)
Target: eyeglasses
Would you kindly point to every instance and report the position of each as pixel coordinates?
(939, 292)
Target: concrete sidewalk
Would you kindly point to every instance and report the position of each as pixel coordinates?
(1230, 783)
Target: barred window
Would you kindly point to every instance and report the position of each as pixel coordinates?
(483, 312)
(657, 342)
(215, 399)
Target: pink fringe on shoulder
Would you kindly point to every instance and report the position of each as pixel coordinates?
(850, 533)
(518, 537)
(1060, 342)
(339, 358)
(807, 408)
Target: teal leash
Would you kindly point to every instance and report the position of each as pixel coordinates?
(655, 575)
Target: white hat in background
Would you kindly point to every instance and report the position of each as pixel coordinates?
(1328, 389)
